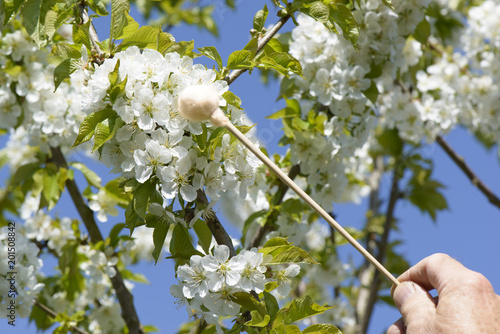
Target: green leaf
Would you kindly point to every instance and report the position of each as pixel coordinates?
(319, 11)
(11, 9)
(89, 124)
(259, 19)
(183, 48)
(114, 233)
(64, 70)
(322, 329)
(66, 50)
(72, 280)
(342, 15)
(143, 195)
(212, 53)
(119, 19)
(282, 62)
(159, 236)
(204, 235)
(239, 59)
(299, 309)
(81, 34)
(425, 195)
(249, 302)
(116, 191)
(130, 27)
(232, 99)
(92, 178)
(391, 143)
(372, 92)
(423, 31)
(258, 320)
(148, 38)
(135, 277)
(105, 130)
(283, 251)
(51, 190)
(98, 6)
(181, 247)
(34, 13)
(272, 305)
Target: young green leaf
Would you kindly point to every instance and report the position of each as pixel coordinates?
(322, 329)
(249, 302)
(259, 19)
(34, 13)
(284, 252)
(212, 53)
(81, 34)
(159, 236)
(239, 59)
(258, 320)
(119, 11)
(342, 15)
(148, 37)
(89, 124)
(64, 70)
(92, 178)
(299, 309)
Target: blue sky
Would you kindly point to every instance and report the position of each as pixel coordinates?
(468, 230)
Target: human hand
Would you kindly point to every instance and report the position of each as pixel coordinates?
(466, 301)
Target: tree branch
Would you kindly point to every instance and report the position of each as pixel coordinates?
(262, 43)
(382, 246)
(125, 298)
(215, 225)
(366, 271)
(53, 314)
(476, 181)
(94, 39)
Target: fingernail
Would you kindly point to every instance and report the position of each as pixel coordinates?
(402, 293)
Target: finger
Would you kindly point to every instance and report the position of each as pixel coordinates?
(416, 305)
(436, 272)
(397, 328)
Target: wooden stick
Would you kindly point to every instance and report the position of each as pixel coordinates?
(302, 194)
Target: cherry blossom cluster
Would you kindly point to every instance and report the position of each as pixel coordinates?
(155, 141)
(28, 102)
(25, 275)
(207, 283)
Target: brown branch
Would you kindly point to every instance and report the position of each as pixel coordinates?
(280, 194)
(395, 195)
(476, 181)
(261, 44)
(215, 226)
(53, 314)
(366, 271)
(125, 298)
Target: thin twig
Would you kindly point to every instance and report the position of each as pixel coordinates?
(260, 45)
(53, 314)
(125, 298)
(476, 181)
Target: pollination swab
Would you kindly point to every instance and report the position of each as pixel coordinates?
(201, 103)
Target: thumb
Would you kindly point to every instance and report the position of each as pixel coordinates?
(416, 306)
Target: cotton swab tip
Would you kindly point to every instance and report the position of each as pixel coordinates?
(198, 103)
